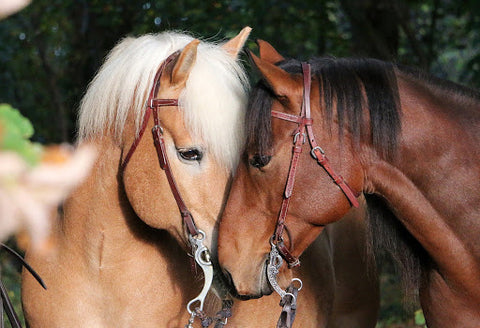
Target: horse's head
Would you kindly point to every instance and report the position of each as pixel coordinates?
(250, 218)
(202, 129)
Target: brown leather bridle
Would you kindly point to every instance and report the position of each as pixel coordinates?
(153, 104)
(199, 252)
(300, 134)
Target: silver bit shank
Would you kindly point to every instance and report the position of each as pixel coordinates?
(202, 257)
(275, 261)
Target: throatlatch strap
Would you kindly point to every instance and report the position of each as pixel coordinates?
(318, 151)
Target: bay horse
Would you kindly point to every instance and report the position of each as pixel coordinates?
(409, 142)
(117, 254)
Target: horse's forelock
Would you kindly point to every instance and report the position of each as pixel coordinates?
(213, 101)
(258, 120)
(123, 82)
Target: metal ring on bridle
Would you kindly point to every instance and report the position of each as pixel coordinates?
(294, 299)
(299, 281)
(202, 254)
(200, 232)
(271, 241)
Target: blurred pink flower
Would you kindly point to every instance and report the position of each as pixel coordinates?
(8, 7)
(29, 196)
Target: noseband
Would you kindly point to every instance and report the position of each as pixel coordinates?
(301, 133)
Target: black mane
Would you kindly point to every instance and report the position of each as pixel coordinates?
(354, 84)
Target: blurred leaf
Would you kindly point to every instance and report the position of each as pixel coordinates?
(419, 318)
(15, 130)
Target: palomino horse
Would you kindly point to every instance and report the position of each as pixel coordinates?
(410, 143)
(117, 254)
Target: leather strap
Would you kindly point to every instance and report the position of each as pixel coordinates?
(152, 107)
(151, 103)
(163, 102)
(322, 159)
(291, 118)
(159, 142)
(318, 153)
(133, 147)
(5, 302)
(289, 308)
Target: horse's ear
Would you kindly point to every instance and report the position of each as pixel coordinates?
(234, 45)
(184, 64)
(268, 52)
(279, 80)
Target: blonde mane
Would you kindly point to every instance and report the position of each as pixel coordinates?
(213, 100)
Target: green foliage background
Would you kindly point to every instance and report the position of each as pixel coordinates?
(51, 50)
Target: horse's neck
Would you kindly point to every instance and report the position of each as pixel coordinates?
(97, 208)
(100, 226)
(432, 185)
(106, 262)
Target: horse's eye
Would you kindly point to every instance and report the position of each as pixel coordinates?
(190, 154)
(259, 161)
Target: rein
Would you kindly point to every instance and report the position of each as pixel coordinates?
(200, 252)
(5, 302)
(279, 250)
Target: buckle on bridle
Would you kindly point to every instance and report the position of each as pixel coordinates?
(312, 152)
(295, 137)
(157, 127)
